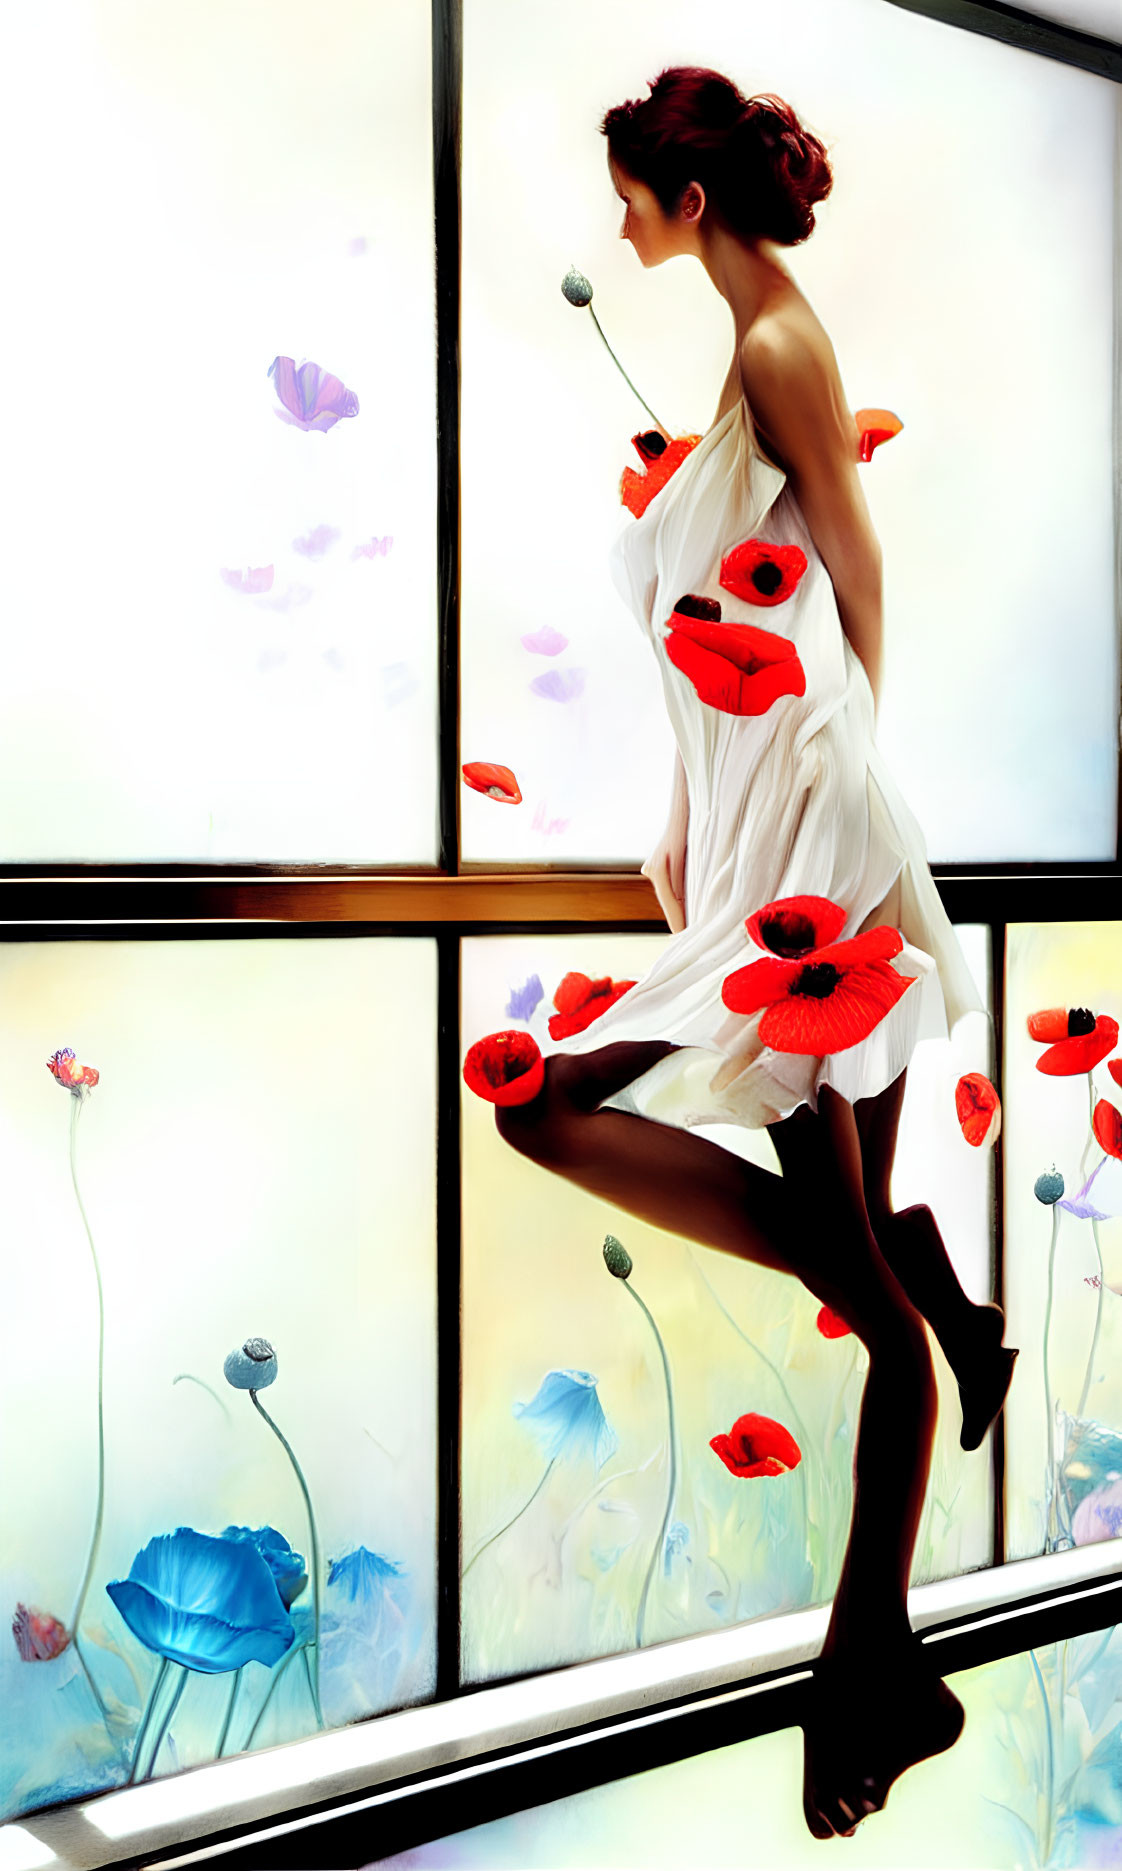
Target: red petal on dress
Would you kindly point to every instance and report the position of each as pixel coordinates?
(739, 567)
(636, 491)
(978, 1108)
(505, 1068)
(808, 1023)
(879, 944)
(758, 985)
(794, 925)
(831, 1324)
(484, 776)
(562, 1025)
(573, 991)
(1082, 1053)
(1107, 1126)
(737, 668)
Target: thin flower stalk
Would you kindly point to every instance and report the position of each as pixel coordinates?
(1050, 1468)
(1098, 1322)
(491, 1538)
(234, 1687)
(76, 1103)
(1049, 1761)
(166, 1723)
(270, 1692)
(673, 1478)
(146, 1718)
(314, 1541)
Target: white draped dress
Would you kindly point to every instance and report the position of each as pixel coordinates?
(797, 801)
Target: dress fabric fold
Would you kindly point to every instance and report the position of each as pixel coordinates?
(796, 801)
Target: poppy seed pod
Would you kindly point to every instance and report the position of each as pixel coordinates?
(616, 1258)
(252, 1366)
(1049, 1187)
(577, 289)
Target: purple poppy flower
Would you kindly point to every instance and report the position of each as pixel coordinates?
(559, 685)
(545, 642)
(312, 397)
(524, 999)
(313, 545)
(258, 578)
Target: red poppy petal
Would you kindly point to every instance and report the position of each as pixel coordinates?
(573, 991)
(781, 926)
(755, 1438)
(879, 944)
(483, 776)
(562, 1025)
(636, 491)
(505, 1068)
(1051, 1024)
(875, 426)
(1083, 1052)
(738, 566)
(832, 1325)
(758, 985)
(1115, 1070)
(807, 1024)
(745, 645)
(1107, 1126)
(721, 1446)
(978, 1108)
(723, 684)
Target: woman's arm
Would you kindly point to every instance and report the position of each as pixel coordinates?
(789, 388)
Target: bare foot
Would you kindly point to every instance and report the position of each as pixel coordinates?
(984, 1375)
(872, 1716)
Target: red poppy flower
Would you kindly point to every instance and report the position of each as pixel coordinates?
(1114, 1067)
(505, 1068)
(757, 1445)
(762, 572)
(978, 1107)
(636, 491)
(580, 1000)
(793, 926)
(830, 1000)
(1107, 1126)
(1079, 1039)
(38, 1636)
(874, 427)
(66, 1071)
(483, 776)
(831, 1324)
(737, 668)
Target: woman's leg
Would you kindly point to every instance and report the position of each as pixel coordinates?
(810, 1222)
(969, 1335)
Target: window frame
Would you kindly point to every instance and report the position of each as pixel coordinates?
(736, 1683)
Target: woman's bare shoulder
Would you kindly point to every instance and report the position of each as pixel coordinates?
(788, 339)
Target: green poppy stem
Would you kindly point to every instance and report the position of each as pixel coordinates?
(660, 1542)
(166, 1723)
(490, 1540)
(1050, 1471)
(147, 1717)
(1050, 1765)
(75, 1107)
(269, 1693)
(291, 1453)
(1098, 1322)
(621, 370)
(229, 1712)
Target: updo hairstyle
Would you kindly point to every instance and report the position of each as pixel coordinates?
(757, 164)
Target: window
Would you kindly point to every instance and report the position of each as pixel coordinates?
(362, 943)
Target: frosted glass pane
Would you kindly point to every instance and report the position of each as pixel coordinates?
(1063, 1259)
(253, 1171)
(555, 1562)
(222, 625)
(970, 295)
(1035, 1778)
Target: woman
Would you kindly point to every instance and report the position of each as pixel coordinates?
(797, 833)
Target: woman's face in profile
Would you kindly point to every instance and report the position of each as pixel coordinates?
(644, 223)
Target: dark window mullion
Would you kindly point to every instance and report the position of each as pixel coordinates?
(447, 119)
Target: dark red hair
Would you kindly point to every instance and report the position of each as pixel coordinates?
(759, 167)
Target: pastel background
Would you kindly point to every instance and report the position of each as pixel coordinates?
(202, 188)
(253, 1161)
(1048, 1119)
(555, 1563)
(962, 268)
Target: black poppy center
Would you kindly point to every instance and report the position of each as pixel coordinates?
(818, 979)
(1079, 1021)
(788, 935)
(767, 578)
(651, 444)
(708, 609)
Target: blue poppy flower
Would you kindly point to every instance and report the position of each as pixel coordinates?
(567, 1419)
(363, 1574)
(677, 1539)
(286, 1565)
(211, 1604)
(524, 999)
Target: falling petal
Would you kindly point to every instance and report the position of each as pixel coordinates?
(311, 397)
(559, 685)
(38, 1635)
(497, 782)
(875, 426)
(545, 642)
(978, 1109)
(257, 579)
(524, 999)
(372, 547)
(313, 545)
